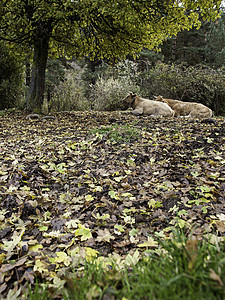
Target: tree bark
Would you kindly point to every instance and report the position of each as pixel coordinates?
(37, 85)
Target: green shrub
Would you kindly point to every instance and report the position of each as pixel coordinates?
(107, 94)
(199, 84)
(69, 93)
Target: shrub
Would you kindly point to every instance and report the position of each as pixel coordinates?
(107, 94)
(69, 93)
(199, 84)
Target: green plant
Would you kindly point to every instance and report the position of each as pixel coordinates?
(187, 83)
(116, 133)
(107, 94)
(185, 269)
(69, 93)
(39, 292)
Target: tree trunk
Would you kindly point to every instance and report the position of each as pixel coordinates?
(37, 85)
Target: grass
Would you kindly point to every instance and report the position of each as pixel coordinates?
(116, 133)
(188, 269)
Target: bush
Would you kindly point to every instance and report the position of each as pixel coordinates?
(69, 93)
(199, 84)
(107, 94)
(10, 79)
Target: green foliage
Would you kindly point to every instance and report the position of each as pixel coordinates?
(188, 46)
(55, 73)
(10, 78)
(148, 59)
(107, 94)
(68, 93)
(102, 29)
(185, 269)
(116, 133)
(106, 29)
(216, 42)
(195, 83)
(203, 45)
(198, 83)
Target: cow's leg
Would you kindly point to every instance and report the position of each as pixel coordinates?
(138, 111)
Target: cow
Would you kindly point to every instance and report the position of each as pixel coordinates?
(189, 109)
(147, 107)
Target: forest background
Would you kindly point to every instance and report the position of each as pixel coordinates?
(189, 67)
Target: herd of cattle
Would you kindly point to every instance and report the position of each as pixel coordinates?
(166, 107)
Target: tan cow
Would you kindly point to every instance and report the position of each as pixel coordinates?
(147, 107)
(190, 109)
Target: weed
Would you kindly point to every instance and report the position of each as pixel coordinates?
(39, 293)
(188, 270)
(117, 133)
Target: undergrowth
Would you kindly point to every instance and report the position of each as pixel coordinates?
(179, 269)
(116, 133)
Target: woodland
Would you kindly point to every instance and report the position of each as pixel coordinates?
(83, 181)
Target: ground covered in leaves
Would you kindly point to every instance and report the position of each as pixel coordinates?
(102, 185)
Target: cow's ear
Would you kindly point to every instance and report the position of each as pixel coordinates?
(131, 94)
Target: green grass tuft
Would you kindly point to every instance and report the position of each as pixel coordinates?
(187, 269)
(117, 133)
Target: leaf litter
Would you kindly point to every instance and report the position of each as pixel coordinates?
(101, 185)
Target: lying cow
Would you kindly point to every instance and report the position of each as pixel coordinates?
(190, 109)
(147, 107)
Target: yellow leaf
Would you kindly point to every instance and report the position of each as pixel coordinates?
(90, 253)
(215, 277)
(36, 247)
(58, 283)
(52, 234)
(72, 223)
(89, 198)
(40, 266)
(94, 292)
(10, 245)
(43, 228)
(150, 243)
(2, 258)
(74, 252)
(131, 260)
(84, 232)
(62, 257)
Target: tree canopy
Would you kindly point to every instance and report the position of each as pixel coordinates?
(102, 28)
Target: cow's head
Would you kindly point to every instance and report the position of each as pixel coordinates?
(159, 98)
(129, 99)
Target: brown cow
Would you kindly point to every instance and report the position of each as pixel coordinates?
(147, 107)
(190, 109)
